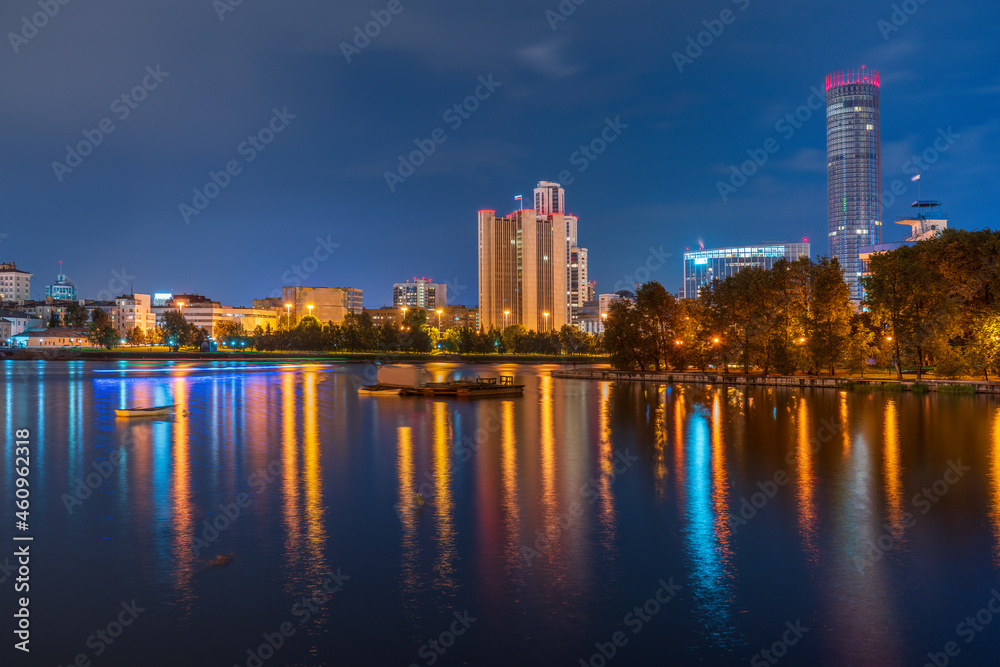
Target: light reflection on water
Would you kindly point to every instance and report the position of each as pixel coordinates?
(333, 480)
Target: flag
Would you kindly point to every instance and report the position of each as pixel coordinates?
(916, 178)
(519, 198)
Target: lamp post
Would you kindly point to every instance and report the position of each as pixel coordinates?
(310, 307)
(546, 321)
(439, 311)
(288, 315)
(505, 314)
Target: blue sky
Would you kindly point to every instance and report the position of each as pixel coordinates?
(224, 70)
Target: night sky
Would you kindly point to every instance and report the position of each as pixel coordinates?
(219, 81)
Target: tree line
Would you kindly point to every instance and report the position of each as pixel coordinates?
(933, 303)
(357, 333)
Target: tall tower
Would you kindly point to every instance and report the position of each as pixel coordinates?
(853, 168)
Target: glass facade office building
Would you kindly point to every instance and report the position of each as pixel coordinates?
(704, 266)
(853, 158)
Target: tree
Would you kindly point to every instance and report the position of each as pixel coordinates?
(907, 296)
(76, 315)
(54, 320)
(830, 314)
(623, 338)
(229, 329)
(175, 330)
(861, 343)
(100, 332)
(135, 336)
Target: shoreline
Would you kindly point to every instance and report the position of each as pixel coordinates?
(334, 358)
(848, 383)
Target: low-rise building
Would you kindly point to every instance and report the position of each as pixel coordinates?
(18, 321)
(450, 317)
(51, 338)
(206, 316)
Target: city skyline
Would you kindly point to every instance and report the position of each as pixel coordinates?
(672, 132)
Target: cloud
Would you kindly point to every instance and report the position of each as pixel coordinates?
(547, 58)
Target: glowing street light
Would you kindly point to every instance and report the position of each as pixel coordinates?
(288, 315)
(439, 311)
(505, 314)
(310, 307)
(715, 340)
(546, 321)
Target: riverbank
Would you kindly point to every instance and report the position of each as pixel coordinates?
(325, 357)
(813, 381)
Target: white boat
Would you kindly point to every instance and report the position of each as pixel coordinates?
(379, 390)
(160, 411)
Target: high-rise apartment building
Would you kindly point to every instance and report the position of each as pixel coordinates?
(853, 147)
(420, 293)
(522, 270)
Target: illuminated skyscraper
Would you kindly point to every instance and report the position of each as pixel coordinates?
(853, 163)
(522, 270)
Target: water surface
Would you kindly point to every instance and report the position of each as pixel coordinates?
(869, 523)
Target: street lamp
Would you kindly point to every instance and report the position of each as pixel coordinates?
(310, 307)
(288, 315)
(505, 314)
(439, 311)
(546, 321)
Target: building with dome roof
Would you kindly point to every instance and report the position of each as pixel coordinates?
(63, 289)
